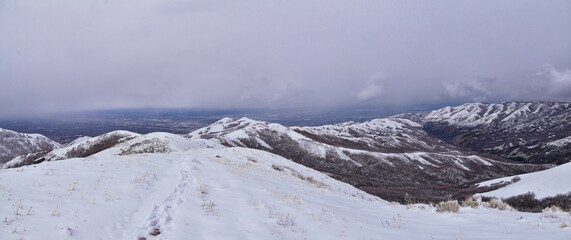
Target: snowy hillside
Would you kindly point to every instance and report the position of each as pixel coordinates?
(13, 144)
(208, 192)
(81, 147)
(531, 132)
(512, 113)
(545, 183)
(118, 142)
(386, 157)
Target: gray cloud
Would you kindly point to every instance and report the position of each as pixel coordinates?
(558, 81)
(477, 89)
(373, 89)
(75, 55)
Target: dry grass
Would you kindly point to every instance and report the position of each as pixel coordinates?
(470, 202)
(18, 206)
(209, 207)
(497, 204)
(448, 206)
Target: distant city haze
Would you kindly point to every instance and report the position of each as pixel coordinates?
(62, 55)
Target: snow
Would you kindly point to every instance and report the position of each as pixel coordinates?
(458, 161)
(14, 162)
(87, 142)
(161, 142)
(79, 140)
(224, 120)
(560, 142)
(315, 148)
(479, 159)
(237, 135)
(517, 113)
(393, 125)
(226, 193)
(418, 157)
(466, 114)
(13, 144)
(544, 183)
(234, 131)
(33, 138)
(474, 114)
(392, 132)
(263, 144)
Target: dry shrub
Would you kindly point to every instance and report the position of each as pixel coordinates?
(552, 209)
(562, 201)
(497, 204)
(525, 202)
(470, 202)
(448, 206)
(551, 212)
(528, 203)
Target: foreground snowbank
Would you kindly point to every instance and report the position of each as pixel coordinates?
(544, 183)
(229, 193)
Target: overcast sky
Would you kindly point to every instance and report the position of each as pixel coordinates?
(67, 55)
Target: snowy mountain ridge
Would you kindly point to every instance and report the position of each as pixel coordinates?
(530, 132)
(510, 113)
(81, 147)
(13, 144)
(117, 143)
(387, 157)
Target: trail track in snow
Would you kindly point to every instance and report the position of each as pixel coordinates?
(162, 214)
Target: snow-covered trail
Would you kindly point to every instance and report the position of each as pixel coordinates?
(162, 213)
(156, 218)
(230, 193)
(166, 213)
(198, 208)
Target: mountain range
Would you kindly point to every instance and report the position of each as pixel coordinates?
(390, 158)
(527, 132)
(248, 179)
(429, 156)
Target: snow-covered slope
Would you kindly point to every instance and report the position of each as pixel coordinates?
(226, 193)
(161, 142)
(13, 144)
(511, 113)
(387, 157)
(563, 142)
(546, 183)
(81, 147)
(116, 142)
(84, 147)
(385, 135)
(532, 132)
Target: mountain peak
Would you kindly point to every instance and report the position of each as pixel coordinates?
(531, 132)
(474, 114)
(13, 144)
